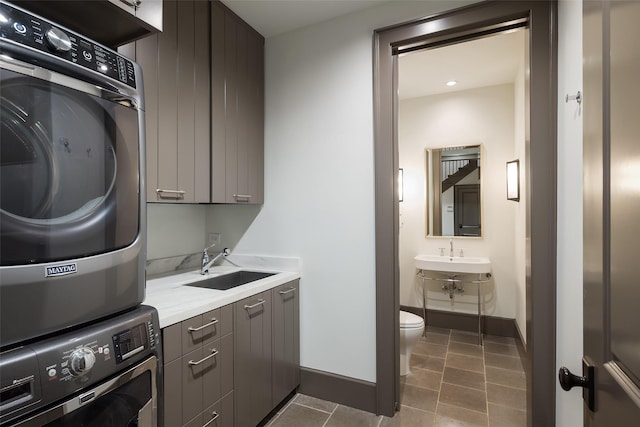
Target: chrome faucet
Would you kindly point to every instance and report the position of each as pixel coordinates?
(206, 262)
(450, 248)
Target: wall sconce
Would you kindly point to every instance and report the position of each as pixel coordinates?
(513, 180)
(400, 184)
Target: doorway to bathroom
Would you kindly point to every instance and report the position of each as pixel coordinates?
(462, 25)
(461, 118)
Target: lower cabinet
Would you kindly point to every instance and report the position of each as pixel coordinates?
(267, 336)
(253, 359)
(198, 371)
(233, 365)
(286, 341)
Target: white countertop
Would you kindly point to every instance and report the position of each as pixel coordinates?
(175, 301)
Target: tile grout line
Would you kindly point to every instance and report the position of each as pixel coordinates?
(315, 409)
(330, 415)
(486, 391)
(278, 414)
(442, 378)
(507, 386)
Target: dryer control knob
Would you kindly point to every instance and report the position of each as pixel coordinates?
(81, 361)
(58, 40)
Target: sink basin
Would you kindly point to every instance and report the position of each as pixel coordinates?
(453, 264)
(231, 280)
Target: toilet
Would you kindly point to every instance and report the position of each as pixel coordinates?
(411, 327)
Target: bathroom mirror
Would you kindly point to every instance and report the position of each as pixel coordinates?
(453, 196)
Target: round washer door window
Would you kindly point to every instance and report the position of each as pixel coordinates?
(68, 172)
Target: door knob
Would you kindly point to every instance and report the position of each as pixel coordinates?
(569, 380)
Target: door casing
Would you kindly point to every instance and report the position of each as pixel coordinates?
(541, 123)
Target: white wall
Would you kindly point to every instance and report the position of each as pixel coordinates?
(569, 275)
(480, 116)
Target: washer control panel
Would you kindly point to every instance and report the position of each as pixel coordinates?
(30, 30)
(94, 353)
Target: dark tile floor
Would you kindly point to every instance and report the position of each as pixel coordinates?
(453, 382)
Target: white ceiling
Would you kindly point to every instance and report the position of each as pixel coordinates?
(478, 63)
(484, 62)
(273, 17)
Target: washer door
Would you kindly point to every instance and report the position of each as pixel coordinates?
(68, 172)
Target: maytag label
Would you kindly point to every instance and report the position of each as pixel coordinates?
(60, 270)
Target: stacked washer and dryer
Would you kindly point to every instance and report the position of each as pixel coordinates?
(76, 345)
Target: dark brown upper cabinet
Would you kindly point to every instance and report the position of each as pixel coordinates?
(204, 106)
(175, 66)
(237, 109)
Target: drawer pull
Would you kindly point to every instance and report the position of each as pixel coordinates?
(175, 194)
(288, 291)
(249, 307)
(242, 196)
(192, 329)
(215, 416)
(204, 359)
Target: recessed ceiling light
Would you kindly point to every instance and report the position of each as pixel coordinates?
(452, 83)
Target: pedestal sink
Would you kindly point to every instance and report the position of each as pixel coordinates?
(445, 264)
(452, 266)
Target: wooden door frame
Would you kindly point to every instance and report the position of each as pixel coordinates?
(541, 92)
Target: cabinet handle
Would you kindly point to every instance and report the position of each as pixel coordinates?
(260, 302)
(177, 194)
(134, 3)
(204, 359)
(215, 416)
(192, 329)
(288, 291)
(242, 196)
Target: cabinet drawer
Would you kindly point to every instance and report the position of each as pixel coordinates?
(172, 342)
(203, 329)
(193, 369)
(207, 376)
(220, 414)
(218, 370)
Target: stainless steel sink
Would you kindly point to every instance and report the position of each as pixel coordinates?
(231, 280)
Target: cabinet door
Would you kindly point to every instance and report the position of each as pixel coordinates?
(255, 85)
(252, 377)
(176, 83)
(237, 115)
(286, 340)
(218, 100)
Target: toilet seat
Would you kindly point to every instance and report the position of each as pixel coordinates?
(410, 321)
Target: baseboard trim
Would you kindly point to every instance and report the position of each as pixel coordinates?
(338, 389)
(522, 348)
(491, 325)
